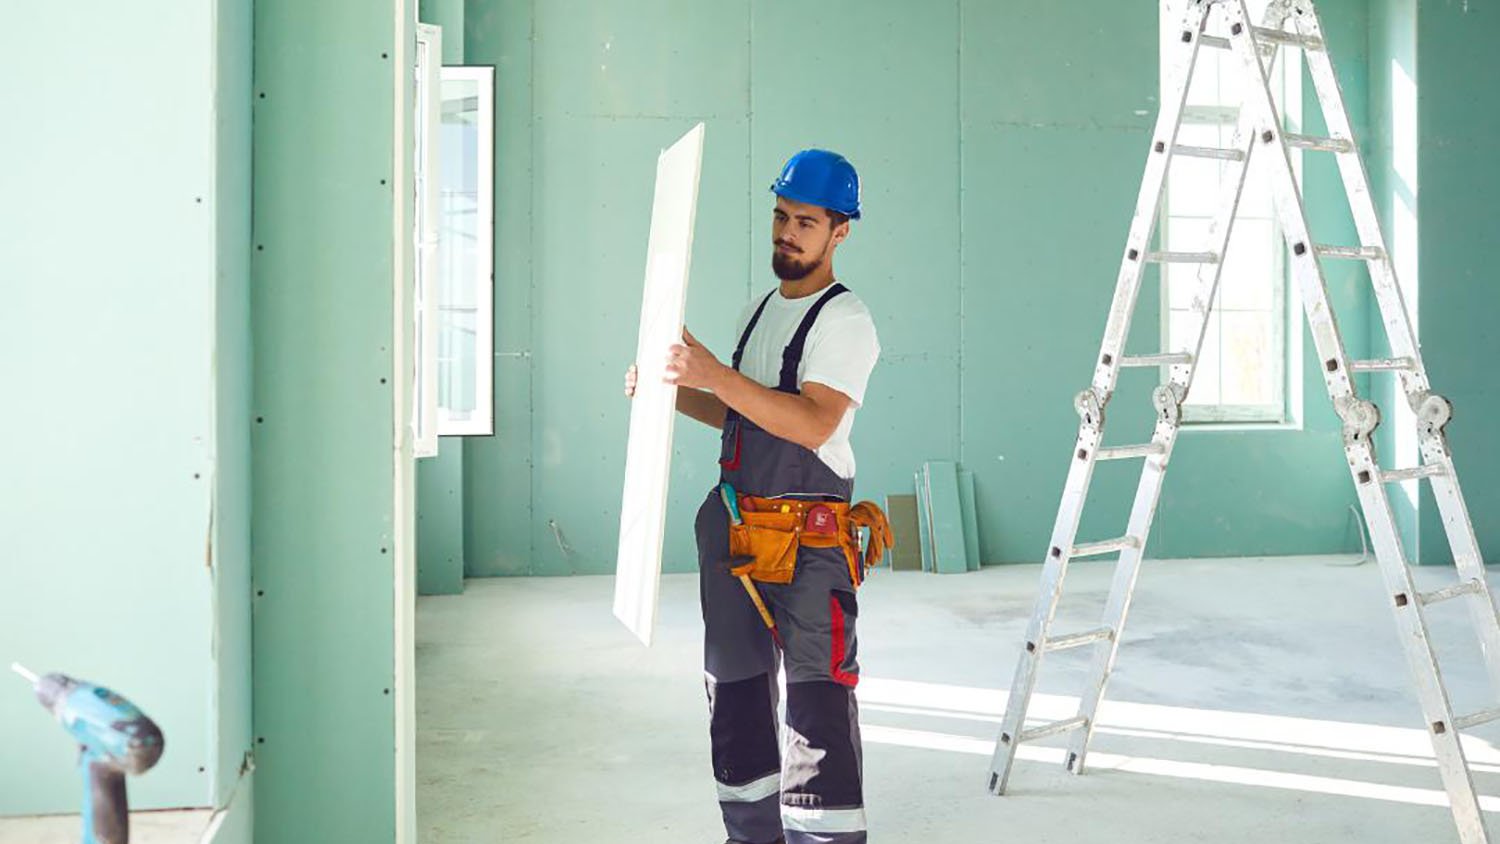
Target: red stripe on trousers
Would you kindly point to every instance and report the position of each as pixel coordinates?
(836, 660)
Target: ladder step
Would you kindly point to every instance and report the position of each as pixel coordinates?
(1209, 152)
(1466, 587)
(1183, 257)
(1287, 39)
(1075, 640)
(1313, 142)
(1383, 365)
(1168, 359)
(1051, 729)
(1482, 717)
(1426, 470)
(1215, 41)
(1355, 253)
(1108, 546)
(1126, 452)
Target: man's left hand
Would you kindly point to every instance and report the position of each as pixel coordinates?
(691, 364)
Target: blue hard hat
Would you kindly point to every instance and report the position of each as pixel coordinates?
(822, 178)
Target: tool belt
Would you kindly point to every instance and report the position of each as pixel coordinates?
(774, 529)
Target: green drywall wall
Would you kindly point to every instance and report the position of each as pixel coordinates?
(1458, 112)
(329, 512)
(497, 470)
(1391, 148)
(122, 503)
(440, 520)
(999, 184)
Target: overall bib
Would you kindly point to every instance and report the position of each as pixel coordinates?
(812, 793)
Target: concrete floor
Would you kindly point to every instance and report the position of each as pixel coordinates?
(178, 827)
(1254, 701)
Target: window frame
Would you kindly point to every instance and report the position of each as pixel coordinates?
(1284, 408)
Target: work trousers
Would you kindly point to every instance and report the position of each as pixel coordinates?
(806, 785)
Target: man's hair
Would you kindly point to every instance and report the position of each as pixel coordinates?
(835, 218)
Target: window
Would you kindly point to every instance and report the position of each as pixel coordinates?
(465, 367)
(1242, 373)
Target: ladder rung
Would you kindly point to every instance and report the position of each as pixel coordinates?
(1108, 546)
(1074, 640)
(1466, 587)
(1126, 452)
(1318, 144)
(1287, 39)
(1051, 729)
(1383, 365)
(1215, 41)
(1426, 470)
(1183, 257)
(1356, 253)
(1483, 716)
(1209, 152)
(1169, 359)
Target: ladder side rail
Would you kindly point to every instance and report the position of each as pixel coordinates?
(1410, 619)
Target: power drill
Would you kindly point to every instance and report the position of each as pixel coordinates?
(114, 739)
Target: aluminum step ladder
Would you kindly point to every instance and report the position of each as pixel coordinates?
(1288, 24)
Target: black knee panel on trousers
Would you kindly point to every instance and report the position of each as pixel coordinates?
(742, 725)
(822, 756)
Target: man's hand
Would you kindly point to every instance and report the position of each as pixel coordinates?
(692, 365)
(631, 375)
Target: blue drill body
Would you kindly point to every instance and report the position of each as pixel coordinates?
(114, 738)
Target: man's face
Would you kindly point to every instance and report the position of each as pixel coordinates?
(802, 238)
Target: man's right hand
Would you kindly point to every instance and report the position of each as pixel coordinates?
(630, 378)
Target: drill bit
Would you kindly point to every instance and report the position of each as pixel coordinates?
(21, 670)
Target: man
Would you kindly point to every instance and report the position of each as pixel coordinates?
(786, 405)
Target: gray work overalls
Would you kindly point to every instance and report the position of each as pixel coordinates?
(814, 794)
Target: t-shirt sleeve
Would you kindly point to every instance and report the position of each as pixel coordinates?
(841, 351)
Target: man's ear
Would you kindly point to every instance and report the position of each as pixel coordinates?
(840, 232)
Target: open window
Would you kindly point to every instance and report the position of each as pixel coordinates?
(426, 160)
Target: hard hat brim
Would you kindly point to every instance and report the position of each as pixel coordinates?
(785, 191)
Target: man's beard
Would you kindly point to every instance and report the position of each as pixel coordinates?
(788, 268)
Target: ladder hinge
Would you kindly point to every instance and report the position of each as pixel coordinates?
(1433, 413)
(1090, 408)
(1360, 417)
(1168, 399)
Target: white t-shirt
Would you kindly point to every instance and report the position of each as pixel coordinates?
(841, 351)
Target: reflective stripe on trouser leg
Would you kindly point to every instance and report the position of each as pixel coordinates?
(822, 799)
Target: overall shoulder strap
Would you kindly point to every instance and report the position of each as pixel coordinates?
(791, 358)
(739, 351)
